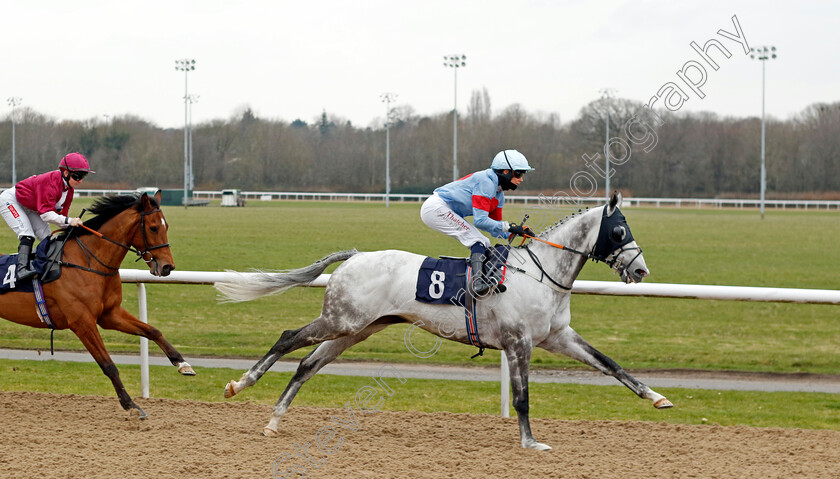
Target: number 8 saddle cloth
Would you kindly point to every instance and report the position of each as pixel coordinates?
(444, 280)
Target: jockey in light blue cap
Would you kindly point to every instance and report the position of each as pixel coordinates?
(480, 195)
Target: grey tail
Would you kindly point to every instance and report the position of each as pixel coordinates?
(258, 283)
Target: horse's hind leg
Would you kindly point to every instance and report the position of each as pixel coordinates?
(315, 332)
(567, 341)
(90, 337)
(121, 320)
(519, 358)
(324, 354)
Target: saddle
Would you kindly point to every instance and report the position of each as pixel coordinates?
(47, 262)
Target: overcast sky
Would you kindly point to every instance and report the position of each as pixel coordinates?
(89, 58)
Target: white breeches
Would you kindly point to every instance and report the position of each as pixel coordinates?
(22, 220)
(439, 216)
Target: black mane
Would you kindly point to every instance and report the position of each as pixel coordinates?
(107, 207)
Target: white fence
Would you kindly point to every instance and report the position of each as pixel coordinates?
(612, 288)
(510, 199)
(526, 200)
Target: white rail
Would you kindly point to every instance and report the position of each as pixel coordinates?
(612, 288)
(510, 199)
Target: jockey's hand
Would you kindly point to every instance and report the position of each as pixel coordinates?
(520, 230)
(76, 222)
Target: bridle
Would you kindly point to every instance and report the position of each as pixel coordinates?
(113, 270)
(605, 240)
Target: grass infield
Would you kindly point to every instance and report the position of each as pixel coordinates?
(720, 247)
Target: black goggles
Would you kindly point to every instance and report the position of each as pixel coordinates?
(78, 175)
(519, 173)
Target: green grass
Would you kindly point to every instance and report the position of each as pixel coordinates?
(735, 247)
(728, 247)
(557, 401)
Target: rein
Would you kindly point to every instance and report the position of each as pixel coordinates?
(610, 260)
(559, 246)
(114, 270)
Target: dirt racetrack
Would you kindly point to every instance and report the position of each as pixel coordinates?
(67, 436)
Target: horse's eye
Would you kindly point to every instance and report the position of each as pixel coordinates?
(618, 233)
(154, 229)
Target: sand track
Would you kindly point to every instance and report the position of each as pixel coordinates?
(53, 435)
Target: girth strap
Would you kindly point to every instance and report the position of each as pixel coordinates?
(43, 312)
(470, 318)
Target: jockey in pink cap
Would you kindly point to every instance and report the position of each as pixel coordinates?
(28, 206)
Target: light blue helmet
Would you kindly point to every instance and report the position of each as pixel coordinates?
(510, 160)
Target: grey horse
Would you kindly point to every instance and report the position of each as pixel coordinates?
(371, 291)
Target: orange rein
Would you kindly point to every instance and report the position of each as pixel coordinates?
(97, 233)
(524, 237)
(544, 241)
(558, 246)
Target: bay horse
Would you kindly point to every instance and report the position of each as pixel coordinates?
(371, 291)
(89, 291)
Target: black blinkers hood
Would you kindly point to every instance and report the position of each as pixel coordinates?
(608, 241)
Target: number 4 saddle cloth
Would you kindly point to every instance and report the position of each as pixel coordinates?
(444, 280)
(47, 255)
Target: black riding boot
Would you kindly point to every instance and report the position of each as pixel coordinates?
(481, 283)
(24, 271)
(493, 269)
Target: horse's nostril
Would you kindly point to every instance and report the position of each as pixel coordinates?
(166, 269)
(641, 272)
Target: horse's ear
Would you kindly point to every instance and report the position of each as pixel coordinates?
(144, 202)
(615, 202)
(157, 196)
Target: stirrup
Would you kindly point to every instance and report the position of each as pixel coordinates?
(25, 274)
(490, 286)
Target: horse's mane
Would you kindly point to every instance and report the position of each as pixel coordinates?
(560, 223)
(106, 208)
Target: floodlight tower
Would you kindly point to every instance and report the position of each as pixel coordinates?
(186, 65)
(14, 102)
(192, 99)
(387, 98)
(607, 94)
(455, 62)
(763, 53)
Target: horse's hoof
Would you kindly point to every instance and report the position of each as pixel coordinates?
(268, 432)
(663, 403)
(186, 370)
(229, 390)
(137, 412)
(537, 446)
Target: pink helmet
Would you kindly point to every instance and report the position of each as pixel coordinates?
(75, 162)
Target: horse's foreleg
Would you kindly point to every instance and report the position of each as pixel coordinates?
(121, 320)
(567, 341)
(324, 354)
(90, 337)
(291, 340)
(519, 357)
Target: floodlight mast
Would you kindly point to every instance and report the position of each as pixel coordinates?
(763, 53)
(186, 65)
(455, 62)
(388, 98)
(192, 99)
(14, 102)
(607, 94)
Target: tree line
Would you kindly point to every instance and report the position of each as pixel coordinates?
(655, 153)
